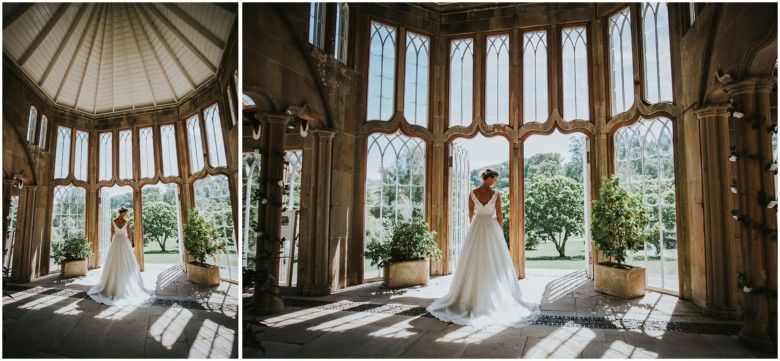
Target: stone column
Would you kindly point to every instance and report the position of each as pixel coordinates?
(750, 138)
(517, 211)
(721, 296)
(317, 216)
(436, 197)
(272, 172)
(27, 252)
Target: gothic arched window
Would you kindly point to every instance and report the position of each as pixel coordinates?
(44, 129)
(657, 52)
(535, 104)
(106, 156)
(216, 142)
(68, 215)
(81, 156)
(31, 124)
(381, 72)
(126, 154)
(212, 200)
(170, 160)
(621, 63)
(195, 144)
(342, 26)
(146, 145)
(417, 75)
(576, 99)
(62, 160)
(317, 25)
(461, 81)
(497, 80)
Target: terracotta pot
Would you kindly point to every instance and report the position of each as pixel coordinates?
(405, 274)
(204, 275)
(624, 283)
(73, 268)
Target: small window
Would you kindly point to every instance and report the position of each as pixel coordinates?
(106, 156)
(195, 143)
(62, 160)
(461, 81)
(214, 137)
(317, 25)
(169, 154)
(621, 65)
(576, 102)
(535, 106)
(342, 26)
(42, 136)
(657, 53)
(417, 75)
(81, 156)
(146, 142)
(31, 124)
(497, 79)
(381, 72)
(126, 154)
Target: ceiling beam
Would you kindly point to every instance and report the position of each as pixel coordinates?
(126, 59)
(89, 56)
(15, 14)
(195, 25)
(100, 61)
(43, 34)
(181, 37)
(140, 54)
(82, 9)
(156, 57)
(79, 45)
(229, 7)
(169, 50)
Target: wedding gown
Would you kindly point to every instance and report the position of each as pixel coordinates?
(121, 283)
(485, 289)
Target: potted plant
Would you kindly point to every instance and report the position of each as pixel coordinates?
(406, 257)
(71, 254)
(621, 224)
(201, 240)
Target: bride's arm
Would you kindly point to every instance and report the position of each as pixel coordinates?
(471, 209)
(499, 213)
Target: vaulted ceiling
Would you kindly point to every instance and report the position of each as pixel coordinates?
(107, 57)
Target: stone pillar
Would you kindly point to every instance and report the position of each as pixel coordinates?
(722, 299)
(517, 211)
(750, 138)
(272, 172)
(138, 239)
(27, 252)
(436, 198)
(315, 215)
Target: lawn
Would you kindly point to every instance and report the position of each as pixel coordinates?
(152, 253)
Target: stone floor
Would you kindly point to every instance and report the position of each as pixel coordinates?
(368, 321)
(53, 317)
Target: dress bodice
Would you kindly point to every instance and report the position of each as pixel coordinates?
(120, 231)
(488, 209)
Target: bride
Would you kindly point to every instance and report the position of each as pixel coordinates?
(485, 290)
(121, 283)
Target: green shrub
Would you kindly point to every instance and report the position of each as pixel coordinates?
(621, 223)
(72, 249)
(201, 239)
(410, 241)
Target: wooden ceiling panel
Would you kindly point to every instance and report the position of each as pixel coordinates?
(102, 58)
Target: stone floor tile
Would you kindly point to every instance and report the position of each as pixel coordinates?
(609, 349)
(336, 344)
(387, 342)
(552, 348)
(436, 344)
(499, 346)
(271, 350)
(155, 349)
(727, 346)
(293, 334)
(89, 331)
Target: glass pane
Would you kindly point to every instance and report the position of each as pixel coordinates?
(44, 128)
(657, 52)
(247, 101)
(461, 81)
(417, 75)
(110, 200)
(381, 72)
(68, 215)
(288, 263)
(125, 154)
(621, 65)
(214, 137)
(497, 80)
(535, 77)
(169, 157)
(106, 156)
(212, 200)
(161, 225)
(31, 124)
(576, 100)
(342, 26)
(649, 173)
(395, 186)
(10, 234)
(250, 183)
(81, 156)
(195, 143)
(62, 162)
(146, 140)
(317, 25)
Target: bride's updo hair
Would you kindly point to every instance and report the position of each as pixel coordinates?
(122, 210)
(488, 173)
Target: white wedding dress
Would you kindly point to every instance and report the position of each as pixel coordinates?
(485, 290)
(121, 283)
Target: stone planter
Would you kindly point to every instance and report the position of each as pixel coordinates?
(204, 275)
(405, 274)
(623, 283)
(74, 268)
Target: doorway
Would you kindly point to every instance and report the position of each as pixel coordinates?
(556, 185)
(111, 199)
(162, 226)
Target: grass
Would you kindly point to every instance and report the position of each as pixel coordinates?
(153, 253)
(545, 256)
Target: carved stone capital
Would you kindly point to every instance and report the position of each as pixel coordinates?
(712, 111)
(746, 86)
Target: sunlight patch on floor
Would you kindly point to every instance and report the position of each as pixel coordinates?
(72, 309)
(116, 313)
(42, 302)
(170, 326)
(567, 342)
(213, 341)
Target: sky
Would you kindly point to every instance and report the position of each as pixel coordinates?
(485, 151)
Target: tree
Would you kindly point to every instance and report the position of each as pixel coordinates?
(159, 223)
(573, 168)
(545, 165)
(503, 176)
(554, 210)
